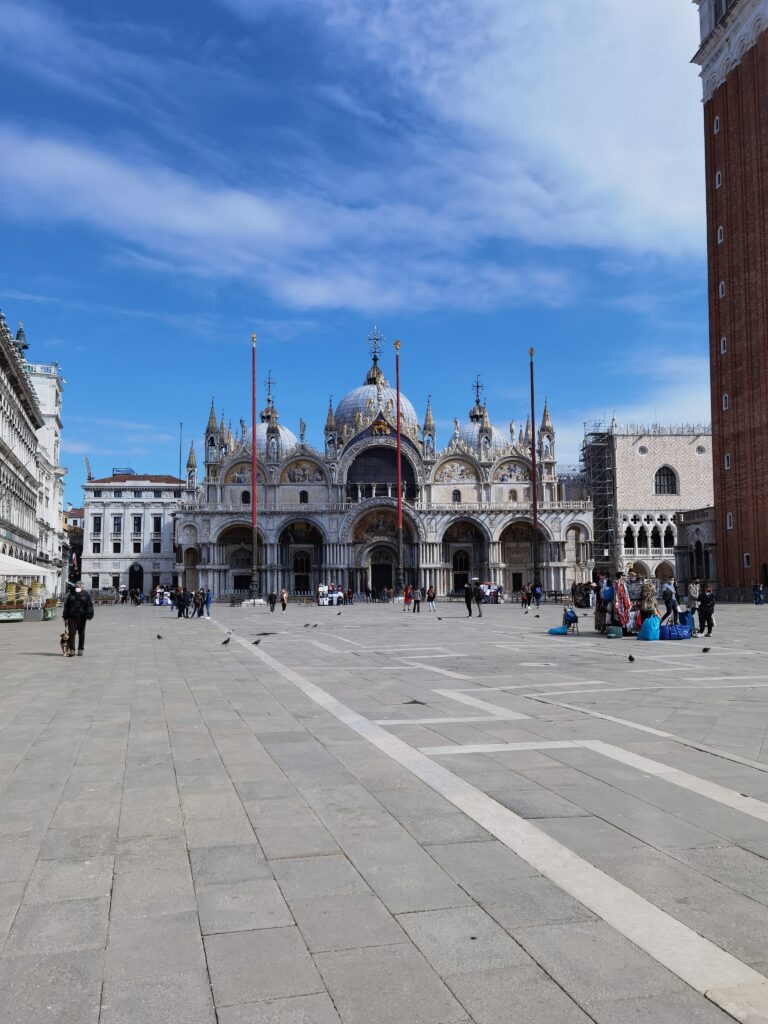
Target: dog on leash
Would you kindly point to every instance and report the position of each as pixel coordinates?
(64, 641)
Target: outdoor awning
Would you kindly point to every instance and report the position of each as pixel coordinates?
(16, 567)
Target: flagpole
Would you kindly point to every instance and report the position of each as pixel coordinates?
(534, 482)
(400, 582)
(254, 478)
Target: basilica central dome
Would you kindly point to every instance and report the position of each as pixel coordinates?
(373, 396)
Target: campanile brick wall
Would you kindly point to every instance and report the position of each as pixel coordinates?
(739, 152)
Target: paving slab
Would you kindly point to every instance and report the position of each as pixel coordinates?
(223, 801)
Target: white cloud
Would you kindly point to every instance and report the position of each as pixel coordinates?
(577, 122)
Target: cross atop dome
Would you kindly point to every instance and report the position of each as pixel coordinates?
(375, 375)
(476, 412)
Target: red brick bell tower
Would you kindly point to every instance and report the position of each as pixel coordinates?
(734, 70)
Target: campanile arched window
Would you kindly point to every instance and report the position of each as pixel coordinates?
(665, 481)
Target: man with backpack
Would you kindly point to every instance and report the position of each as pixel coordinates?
(78, 609)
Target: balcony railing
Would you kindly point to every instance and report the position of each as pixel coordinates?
(420, 506)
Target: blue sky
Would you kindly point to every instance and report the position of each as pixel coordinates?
(474, 178)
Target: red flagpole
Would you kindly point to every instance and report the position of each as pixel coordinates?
(254, 475)
(400, 573)
(534, 481)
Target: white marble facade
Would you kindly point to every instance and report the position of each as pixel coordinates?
(330, 515)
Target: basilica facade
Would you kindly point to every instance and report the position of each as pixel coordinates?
(330, 515)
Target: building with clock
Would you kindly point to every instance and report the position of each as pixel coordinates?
(329, 514)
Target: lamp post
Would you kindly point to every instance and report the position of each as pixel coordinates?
(400, 582)
(254, 485)
(534, 481)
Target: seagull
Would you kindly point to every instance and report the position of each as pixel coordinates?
(255, 642)
(631, 658)
(705, 650)
(159, 637)
(225, 642)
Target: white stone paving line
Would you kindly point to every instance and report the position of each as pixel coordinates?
(444, 720)
(434, 668)
(483, 705)
(722, 978)
(326, 647)
(652, 687)
(725, 754)
(720, 794)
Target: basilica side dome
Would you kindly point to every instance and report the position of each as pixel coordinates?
(288, 439)
(479, 427)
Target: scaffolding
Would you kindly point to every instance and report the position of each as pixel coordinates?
(599, 468)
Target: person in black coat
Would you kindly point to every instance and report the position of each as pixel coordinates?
(706, 610)
(78, 609)
(468, 598)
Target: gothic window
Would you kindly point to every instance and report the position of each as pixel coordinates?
(246, 497)
(303, 498)
(665, 481)
(629, 539)
(655, 537)
(669, 538)
(642, 538)
(457, 497)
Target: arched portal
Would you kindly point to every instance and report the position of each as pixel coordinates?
(466, 551)
(301, 556)
(664, 570)
(236, 552)
(382, 567)
(517, 554)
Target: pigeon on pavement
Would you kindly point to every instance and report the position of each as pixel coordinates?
(314, 626)
(159, 637)
(255, 642)
(705, 650)
(225, 642)
(306, 625)
(631, 658)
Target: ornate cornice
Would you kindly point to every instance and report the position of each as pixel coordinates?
(725, 46)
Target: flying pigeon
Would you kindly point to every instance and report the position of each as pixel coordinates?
(225, 642)
(631, 658)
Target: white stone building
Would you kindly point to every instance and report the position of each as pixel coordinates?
(330, 515)
(48, 385)
(641, 478)
(128, 531)
(20, 419)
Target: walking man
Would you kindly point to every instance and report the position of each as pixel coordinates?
(272, 600)
(283, 599)
(207, 604)
(477, 593)
(78, 609)
(417, 600)
(468, 598)
(693, 596)
(669, 596)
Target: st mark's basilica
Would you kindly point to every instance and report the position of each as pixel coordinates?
(330, 516)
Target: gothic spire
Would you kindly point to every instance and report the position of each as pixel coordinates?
(230, 438)
(223, 428)
(527, 435)
(429, 422)
(192, 460)
(546, 421)
(330, 422)
(211, 426)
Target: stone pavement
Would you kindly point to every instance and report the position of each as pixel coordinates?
(386, 819)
